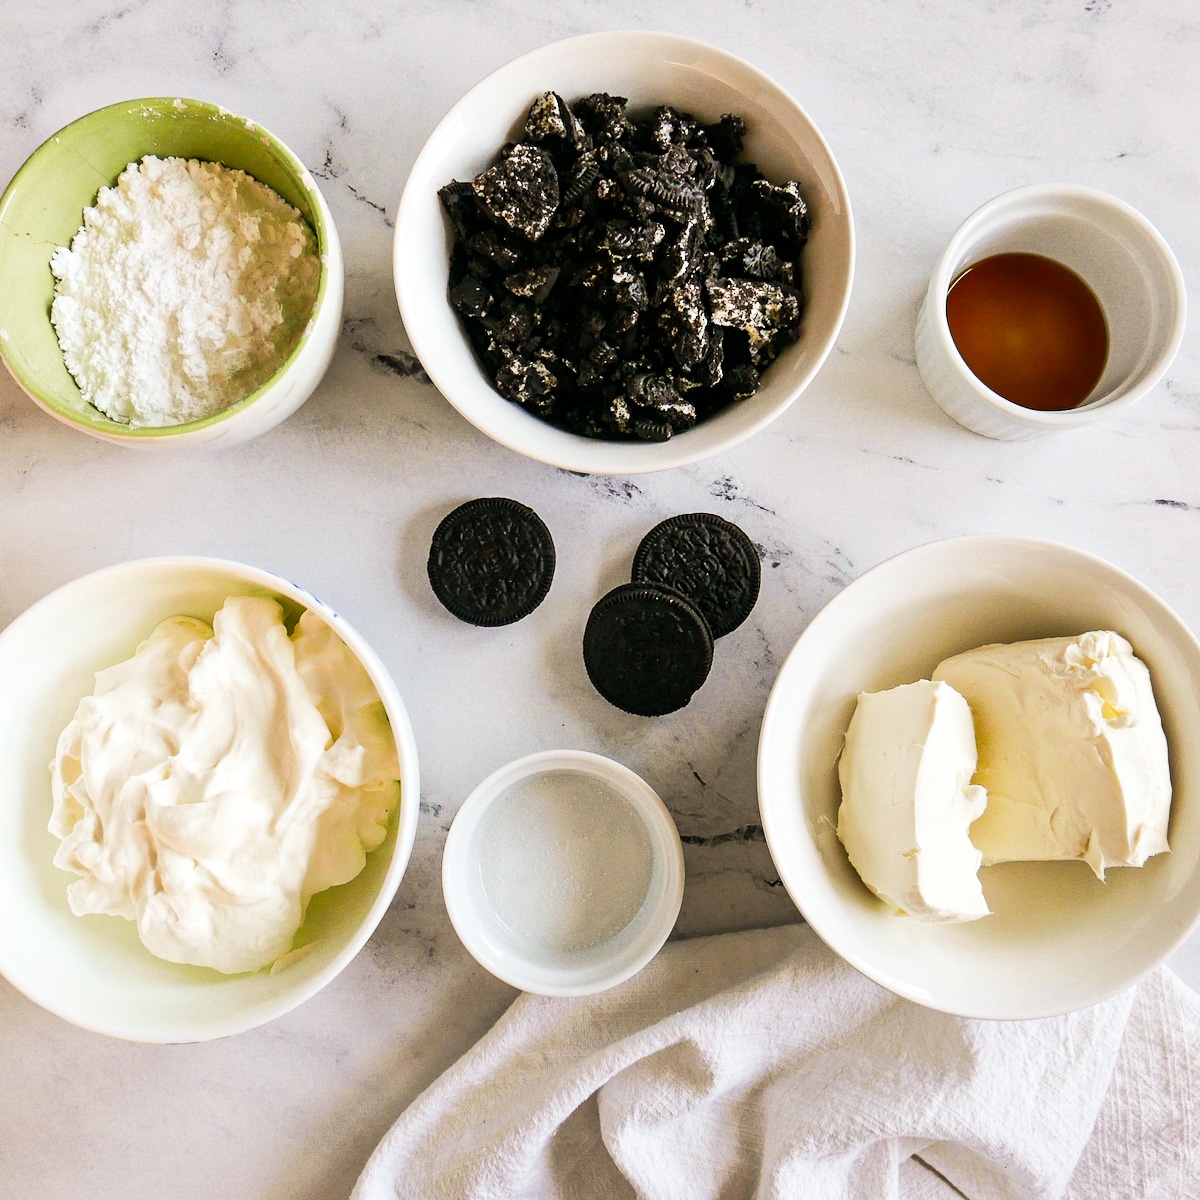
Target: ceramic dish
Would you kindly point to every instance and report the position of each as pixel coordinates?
(1118, 254)
(42, 208)
(591, 864)
(650, 69)
(93, 971)
(1058, 939)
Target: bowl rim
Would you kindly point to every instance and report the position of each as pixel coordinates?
(774, 734)
(405, 820)
(457, 862)
(321, 226)
(1089, 410)
(564, 450)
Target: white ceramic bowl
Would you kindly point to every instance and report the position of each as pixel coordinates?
(42, 208)
(540, 966)
(1058, 939)
(93, 971)
(649, 69)
(1109, 245)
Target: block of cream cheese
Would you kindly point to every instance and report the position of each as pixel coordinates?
(908, 801)
(1071, 750)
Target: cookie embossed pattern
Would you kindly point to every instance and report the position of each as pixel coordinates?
(491, 561)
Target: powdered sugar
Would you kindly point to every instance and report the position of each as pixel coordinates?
(187, 286)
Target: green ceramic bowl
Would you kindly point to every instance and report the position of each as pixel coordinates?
(42, 208)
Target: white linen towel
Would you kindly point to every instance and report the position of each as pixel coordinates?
(760, 1065)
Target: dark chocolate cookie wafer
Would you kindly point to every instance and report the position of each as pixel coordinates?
(646, 649)
(707, 559)
(491, 561)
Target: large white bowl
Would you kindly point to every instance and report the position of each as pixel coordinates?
(93, 971)
(1058, 939)
(650, 69)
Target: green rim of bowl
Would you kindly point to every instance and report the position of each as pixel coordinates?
(39, 199)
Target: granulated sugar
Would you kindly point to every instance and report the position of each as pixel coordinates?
(187, 286)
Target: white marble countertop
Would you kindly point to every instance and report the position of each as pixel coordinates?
(931, 107)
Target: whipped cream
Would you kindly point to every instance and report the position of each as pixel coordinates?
(219, 778)
(908, 801)
(1071, 750)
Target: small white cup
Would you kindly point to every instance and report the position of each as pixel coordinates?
(542, 966)
(1117, 253)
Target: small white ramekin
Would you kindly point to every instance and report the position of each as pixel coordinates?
(546, 970)
(1114, 249)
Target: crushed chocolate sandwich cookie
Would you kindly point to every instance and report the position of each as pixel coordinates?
(707, 559)
(491, 561)
(647, 649)
(624, 277)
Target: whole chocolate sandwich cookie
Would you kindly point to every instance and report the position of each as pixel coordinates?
(707, 559)
(491, 561)
(647, 649)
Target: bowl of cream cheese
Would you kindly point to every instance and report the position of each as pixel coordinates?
(210, 796)
(1074, 778)
(172, 276)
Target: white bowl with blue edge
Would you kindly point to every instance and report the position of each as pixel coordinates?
(93, 971)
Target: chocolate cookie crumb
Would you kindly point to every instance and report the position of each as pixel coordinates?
(604, 250)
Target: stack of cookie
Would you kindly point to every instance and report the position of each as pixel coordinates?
(648, 644)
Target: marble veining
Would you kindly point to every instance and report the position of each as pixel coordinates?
(930, 112)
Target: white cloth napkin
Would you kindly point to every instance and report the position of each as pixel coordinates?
(760, 1065)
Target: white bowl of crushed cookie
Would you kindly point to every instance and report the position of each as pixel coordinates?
(614, 287)
(209, 796)
(172, 275)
